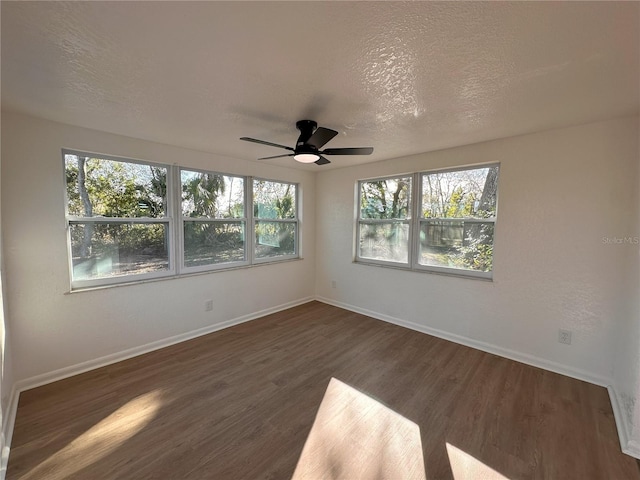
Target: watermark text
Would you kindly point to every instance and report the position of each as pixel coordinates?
(621, 240)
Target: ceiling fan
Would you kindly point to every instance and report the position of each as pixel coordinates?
(312, 138)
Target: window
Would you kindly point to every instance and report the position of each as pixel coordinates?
(385, 214)
(120, 217)
(213, 218)
(457, 218)
(453, 227)
(276, 219)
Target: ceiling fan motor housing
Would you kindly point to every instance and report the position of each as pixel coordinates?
(306, 148)
(306, 127)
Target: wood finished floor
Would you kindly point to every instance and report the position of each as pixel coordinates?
(240, 404)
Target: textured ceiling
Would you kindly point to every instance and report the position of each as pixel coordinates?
(401, 77)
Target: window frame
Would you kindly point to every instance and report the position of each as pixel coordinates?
(417, 221)
(385, 221)
(180, 230)
(76, 220)
(175, 221)
(255, 260)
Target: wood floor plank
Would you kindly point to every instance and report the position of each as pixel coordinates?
(242, 402)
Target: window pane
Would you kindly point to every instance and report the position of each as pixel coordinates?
(467, 193)
(388, 241)
(457, 244)
(207, 243)
(274, 239)
(109, 188)
(274, 200)
(102, 250)
(211, 195)
(385, 199)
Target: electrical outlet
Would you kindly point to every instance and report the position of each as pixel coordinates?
(333, 284)
(564, 336)
(208, 305)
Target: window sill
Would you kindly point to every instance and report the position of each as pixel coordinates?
(179, 276)
(446, 273)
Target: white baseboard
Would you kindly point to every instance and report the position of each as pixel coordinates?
(7, 430)
(478, 345)
(633, 449)
(630, 447)
(66, 372)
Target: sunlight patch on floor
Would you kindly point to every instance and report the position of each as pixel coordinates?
(467, 467)
(101, 439)
(356, 437)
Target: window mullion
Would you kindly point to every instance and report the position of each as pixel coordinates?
(117, 220)
(250, 235)
(414, 227)
(298, 223)
(174, 197)
(356, 247)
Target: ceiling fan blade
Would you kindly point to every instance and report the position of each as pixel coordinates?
(322, 161)
(348, 151)
(262, 142)
(278, 156)
(321, 136)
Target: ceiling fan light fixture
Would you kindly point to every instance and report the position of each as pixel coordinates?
(306, 157)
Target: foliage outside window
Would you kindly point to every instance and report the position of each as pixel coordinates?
(453, 228)
(384, 219)
(458, 213)
(120, 216)
(276, 223)
(214, 220)
(118, 223)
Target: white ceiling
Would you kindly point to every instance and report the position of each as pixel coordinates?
(401, 77)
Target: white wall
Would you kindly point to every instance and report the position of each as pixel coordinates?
(560, 193)
(52, 329)
(8, 403)
(626, 379)
(7, 410)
